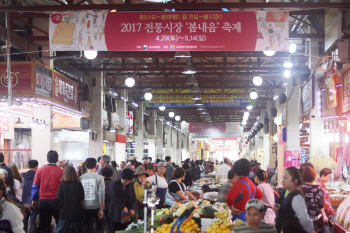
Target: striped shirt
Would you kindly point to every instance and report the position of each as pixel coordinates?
(263, 228)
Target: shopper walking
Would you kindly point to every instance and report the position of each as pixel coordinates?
(105, 160)
(94, 200)
(28, 179)
(260, 178)
(222, 172)
(46, 182)
(160, 180)
(294, 206)
(122, 165)
(314, 198)
(140, 184)
(9, 213)
(169, 168)
(9, 180)
(107, 173)
(123, 200)
(70, 196)
(226, 187)
(188, 179)
(17, 181)
(192, 171)
(242, 191)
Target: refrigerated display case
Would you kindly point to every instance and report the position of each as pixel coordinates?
(342, 217)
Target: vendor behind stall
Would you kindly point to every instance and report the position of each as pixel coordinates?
(177, 190)
(226, 187)
(160, 180)
(242, 191)
(325, 175)
(139, 186)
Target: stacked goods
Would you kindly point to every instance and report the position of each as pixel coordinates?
(221, 223)
(188, 226)
(175, 207)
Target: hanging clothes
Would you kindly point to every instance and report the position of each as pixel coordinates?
(292, 158)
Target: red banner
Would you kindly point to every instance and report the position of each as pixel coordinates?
(170, 31)
(65, 91)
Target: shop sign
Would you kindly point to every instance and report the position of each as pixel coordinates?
(208, 101)
(331, 94)
(4, 127)
(307, 96)
(346, 88)
(333, 24)
(170, 31)
(221, 148)
(21, 78)
(65, 91)
(304, 139)
(200, 144)
(131, 122)
(43, 81)
(115, 120)
(220, 130)
(87, 110)
(105, 119)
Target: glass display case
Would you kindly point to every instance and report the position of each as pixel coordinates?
(342, 216)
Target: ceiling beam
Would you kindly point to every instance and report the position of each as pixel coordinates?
(201, 86)
(270, 92)
(195, 6)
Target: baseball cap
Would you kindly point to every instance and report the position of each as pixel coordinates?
(161, 164)
(254, 203)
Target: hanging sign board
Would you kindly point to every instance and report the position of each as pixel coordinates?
(220, 129)
(21, 78)
(330, 87)
(131, 122)
(307, 96)
(169, 31)
(4, 127)
(65, 91)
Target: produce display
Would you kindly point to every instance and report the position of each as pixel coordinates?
(221, 223)
(188, 226)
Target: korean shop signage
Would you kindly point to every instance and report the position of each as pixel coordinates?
(43, 81)
(170, 31)
(65, 91)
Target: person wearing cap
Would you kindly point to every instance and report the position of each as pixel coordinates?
(123, 199)
(139, 186)
(254, 215)
(160, 180)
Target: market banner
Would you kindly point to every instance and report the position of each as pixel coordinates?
(65, 90)
(331, 91)
(307, 96)
(169, 31)
(220, 129)
(346, 88)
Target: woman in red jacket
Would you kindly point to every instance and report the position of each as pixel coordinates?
(242, 191)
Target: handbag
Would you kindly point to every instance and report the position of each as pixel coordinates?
(326, 228)
(126, 217)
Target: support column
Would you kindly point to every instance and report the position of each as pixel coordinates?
(174, 149)
(179, 150)
(42, 139)
(152, 148)
(153, 119)
(96, 147)
(293, 132)
(168, 143)
(120, 147)
(159, 141)
(140, 129)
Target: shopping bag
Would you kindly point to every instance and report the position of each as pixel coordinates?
(126, 217)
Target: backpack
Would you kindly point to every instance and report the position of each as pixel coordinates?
(5, 226)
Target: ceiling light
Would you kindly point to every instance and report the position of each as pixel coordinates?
(177, 118)
(171, 114)
(112, 130)
(245, 118)
(189, 69)
(285, 83)
(292, 48)
(244, 122)
(33, 123)
(249, 107)
(287, 73)
(195, 89)
(91, 54)
(198, 103)
(203, 113)
(182, 53)
(130, 81)
(269, 53)
(253, 95)
(41, 125)
(123, 98)
(183, 122)
(135, 104)
(257, 80)
(277, 120)
(196, 97)
(246, 113)
(192, 80)
(148, 95)
(275, 97)
(162, 108)
(288, 64)
(19, 122)
(200, 108)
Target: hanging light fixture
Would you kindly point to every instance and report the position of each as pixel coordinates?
(90, 54)
(257, 80)
(162, 108)
(171, 114)
(288, 64)
(246, 114)
(198, 103)
(148, 95)
(177, 118)
(269, 53)
(244, 122)
(287, 73)
(41, 125)
(249, 107)
(33, 123)
(195, 89)
(189, 68)
(196, 97)
(245, 118)
(183, 122)
(277, 120)
(130, 82)
(292, 48)
(182, 54)
(19, 122)
(200, 108)
(192, 80)
(253, 95)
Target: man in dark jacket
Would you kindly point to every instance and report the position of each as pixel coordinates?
(107, 173)
(105, 160)
(9, 180)
(192, 171)
(123, 200)
(28, 179)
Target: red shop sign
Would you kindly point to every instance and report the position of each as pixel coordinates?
(21, 78)
(65, 91)
(4, 127)
(303, 140)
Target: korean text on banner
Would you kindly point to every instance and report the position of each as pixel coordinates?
(169, 31)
